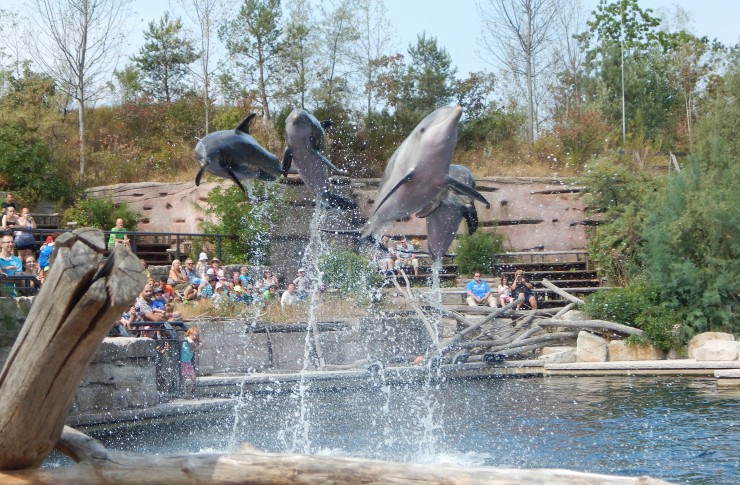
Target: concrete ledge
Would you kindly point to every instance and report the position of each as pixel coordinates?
(728, 377)
(681, 367)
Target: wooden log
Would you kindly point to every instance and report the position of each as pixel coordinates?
(101, 466)
(545, 282)
(433, 334)
(592, 324)
(76, 307)
(497, 346)
(564, 310)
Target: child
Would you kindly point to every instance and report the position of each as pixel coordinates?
(504, 292)
(244, 278)
(190, 346)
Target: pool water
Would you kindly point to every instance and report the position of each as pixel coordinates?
(682, 430)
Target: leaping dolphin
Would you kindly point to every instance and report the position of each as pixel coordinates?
(306, 142)
(445, 213)
(418, 170)
(235, 154)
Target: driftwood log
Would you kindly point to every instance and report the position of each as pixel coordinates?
(76, 307)
(98, 465)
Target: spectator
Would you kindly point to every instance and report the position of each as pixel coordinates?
(176, 275)
(10, 265)
(269, 296)
(405, 257)
(269, 279)
(29, 286)
(189, 270)
(479, 292)
(25, 243)
(144, 306)
(202, 267)
(244, 278)
(218, 296)
(9, 202)
(301, 291)
(10, 219)
(167, 290)
(237, 295)
(386, 256)
(45, 254)
(190, 347)
(235, 278)
(128, 317)
(522, 288)
(259, 286)
(289, 296)
(216, 268)
(504, 292)
(160, 303)
(250, 297)
(207, 290)
(191, 292)
(118, 236)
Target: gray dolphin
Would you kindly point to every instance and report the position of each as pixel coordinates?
(445, 216)
(418, 171)
(235, 154)
(306, 142)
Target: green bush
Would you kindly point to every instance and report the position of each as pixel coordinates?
(476, 252)
(100, 213)
(351, 273)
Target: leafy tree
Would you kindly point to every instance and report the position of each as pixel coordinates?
(250, 220)
(427, 82)
(164, 58)
(351, 273)
(129, 83)
(298, 60)
(253, 38)
(476, 252)
(100, 213)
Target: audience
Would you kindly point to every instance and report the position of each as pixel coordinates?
(289, 296)
(405, 257)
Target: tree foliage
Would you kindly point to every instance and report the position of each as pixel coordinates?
(476, 252)
(100, 213)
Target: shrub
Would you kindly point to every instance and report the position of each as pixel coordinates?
(350, 273)
(476, 252)
(100, 213)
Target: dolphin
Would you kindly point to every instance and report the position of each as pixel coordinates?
(306, 142)
(235, 154)
(418, 171)
(445, 213)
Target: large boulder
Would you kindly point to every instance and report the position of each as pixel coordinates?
(575, 315)
(717, 350)
(620, 351)
(590, 348)
(703, 338)
(558, 355)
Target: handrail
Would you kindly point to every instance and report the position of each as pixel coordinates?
(177, 235)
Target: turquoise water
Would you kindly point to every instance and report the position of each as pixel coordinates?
(678, 429)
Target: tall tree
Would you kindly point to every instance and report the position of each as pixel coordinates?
(205, 14)
(518, 33)
(77, 46)
(164, 58)
(427, 82)
(253, 38)
(298, 54)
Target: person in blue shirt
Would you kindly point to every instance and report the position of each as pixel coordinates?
(479, 293)
(10, 265)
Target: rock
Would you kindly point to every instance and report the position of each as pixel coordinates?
(717, 350)
(590, 348)
(620, 351)
(699, 340)
(558, 355)
(574, 315)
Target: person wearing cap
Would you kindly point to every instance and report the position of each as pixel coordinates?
(300, 284)
(202, 267)
(207, 288)
(218, 294)
(237, 294)
(216, 268)
(191, 292)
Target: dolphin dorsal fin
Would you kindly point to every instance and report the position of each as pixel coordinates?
(244, 125)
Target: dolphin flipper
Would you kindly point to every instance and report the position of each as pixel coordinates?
(339, 201)
(402, 181)
(287, 161)
(471, 217)
(326, 162)
(200, 174)
(463, 189)
(235, 179)
(428, 209)
(244, 125)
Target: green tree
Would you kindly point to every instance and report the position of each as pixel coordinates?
(128, 83)
(253, 38)
(163, 60)
(427, 82)
(298, 56)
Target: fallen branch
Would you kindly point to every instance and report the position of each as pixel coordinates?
(412, 301)
(563, 293)
(592, 324)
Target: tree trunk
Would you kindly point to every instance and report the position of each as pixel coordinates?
(79, 301)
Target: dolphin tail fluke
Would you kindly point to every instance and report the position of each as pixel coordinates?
(465, 190)
(200, 174)
(339, 201)
(471, 217)
(244, 125)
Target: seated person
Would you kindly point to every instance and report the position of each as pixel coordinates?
(188, 270)
(10, 265)
(207, 289)
(405, 257)
(190, 293)
(386, 256)
(176, 275)
(159, 303)
(218, 296)
(504, 292)
(144, 306)
(300, 284)
(118, 236)
(167, 290)
(479, 293)
(522, 288)
(244, 278)
(289, 296)
(269, 296)
(29, 287)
